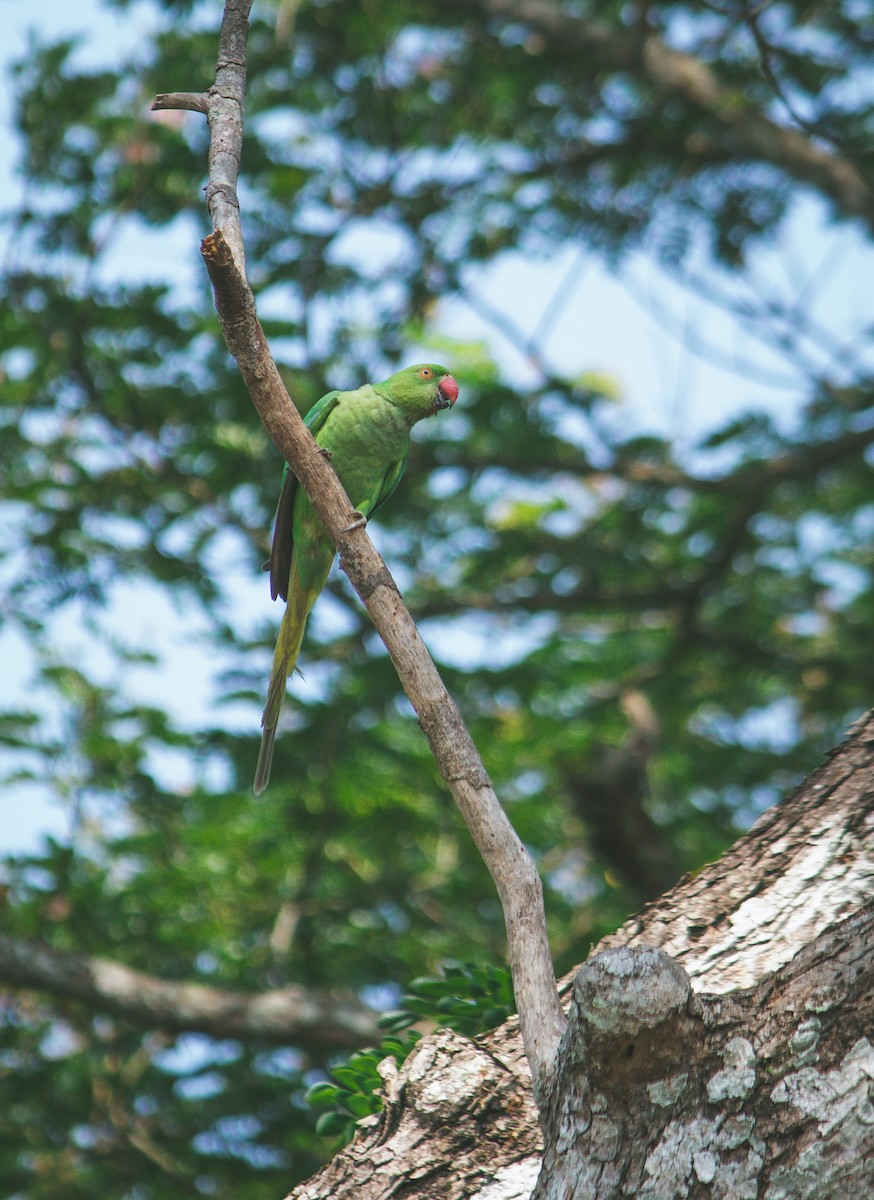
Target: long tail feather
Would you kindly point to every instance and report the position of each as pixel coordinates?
(265, 760)
(288, 645)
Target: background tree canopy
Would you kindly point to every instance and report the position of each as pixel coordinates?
(650, 638)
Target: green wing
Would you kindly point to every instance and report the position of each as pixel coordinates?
(319, 413)
(389, 483)
(279, 562)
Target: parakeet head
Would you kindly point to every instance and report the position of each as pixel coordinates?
(422, 390)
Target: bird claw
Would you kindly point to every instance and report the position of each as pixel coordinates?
(326, 454)
(357, 524)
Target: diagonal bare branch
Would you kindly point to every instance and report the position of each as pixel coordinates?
(509, 863)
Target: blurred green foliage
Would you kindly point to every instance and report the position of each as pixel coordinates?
(575, 578)
(467, 998)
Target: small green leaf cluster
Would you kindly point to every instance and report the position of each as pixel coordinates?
(467, 998)
(354, 1090)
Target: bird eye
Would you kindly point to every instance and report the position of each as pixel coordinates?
(426, 372)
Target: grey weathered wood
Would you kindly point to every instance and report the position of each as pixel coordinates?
(806, 864)
(740, 1066)
(763, 1092)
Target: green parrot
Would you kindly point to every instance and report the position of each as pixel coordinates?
(366, 435)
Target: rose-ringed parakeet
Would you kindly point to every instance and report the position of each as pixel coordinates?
(366, 434)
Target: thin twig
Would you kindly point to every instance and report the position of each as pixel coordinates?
(186, 101)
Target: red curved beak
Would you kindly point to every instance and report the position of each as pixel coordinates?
(448, 389)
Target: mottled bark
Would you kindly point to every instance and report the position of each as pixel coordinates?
(762, 1092)
(455, 1117)
(741, 1066)
(805, 865)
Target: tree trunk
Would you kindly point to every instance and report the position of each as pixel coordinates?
(719, 1044)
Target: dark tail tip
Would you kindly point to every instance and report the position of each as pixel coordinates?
(265, 760)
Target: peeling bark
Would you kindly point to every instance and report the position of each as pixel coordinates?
(806, 864)
(456, 1118)
(718, 1045)
(765, 1092)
